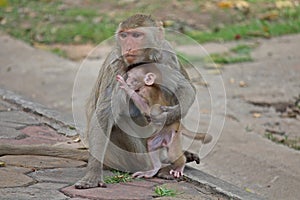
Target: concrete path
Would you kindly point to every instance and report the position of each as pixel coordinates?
(243, 156)
(44, 177)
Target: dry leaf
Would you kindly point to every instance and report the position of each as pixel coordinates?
(40, 46)
(2, 164)
(226, 4)
(242, 5)
(272, 15)
(284, 4)
(256, 115)
(76, 139)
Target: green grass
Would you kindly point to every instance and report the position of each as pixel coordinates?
(292, 143)
(237, 54)
(61, 53)
(47, 21)
(254, 28)
(162, 191)
(242, 49)
(118, 177)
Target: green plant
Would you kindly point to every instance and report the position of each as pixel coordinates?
(285, 140)
(162, 191)
(118, 177)
(237, 54)
(60, 53)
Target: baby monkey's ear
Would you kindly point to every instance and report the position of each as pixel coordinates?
(149, 78)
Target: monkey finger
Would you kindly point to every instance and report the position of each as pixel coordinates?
(176, 174)
(120, 78)
(159, 119)
(164, 108)
(168, 108)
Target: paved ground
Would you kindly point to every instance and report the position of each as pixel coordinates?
(242, 155)
(45, 177)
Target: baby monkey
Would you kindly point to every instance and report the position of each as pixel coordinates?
(143, 85)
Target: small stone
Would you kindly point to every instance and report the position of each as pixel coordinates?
(242, 84)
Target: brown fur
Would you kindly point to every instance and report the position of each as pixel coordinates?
(143, 87)
(100, 121)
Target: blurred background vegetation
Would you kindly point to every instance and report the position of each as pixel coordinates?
(50, 24)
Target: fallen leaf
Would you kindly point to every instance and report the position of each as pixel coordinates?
(284, 4)
(2, 164)
(76, 139)
(242, 5)
(248, 190)
(226, 4)
(272, 15)
(40, 46)
(256, 115)
(168, 23)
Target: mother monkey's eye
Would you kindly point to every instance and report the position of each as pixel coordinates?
(137, 34)
(123, 35)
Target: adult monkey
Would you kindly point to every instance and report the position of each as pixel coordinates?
(139, 40)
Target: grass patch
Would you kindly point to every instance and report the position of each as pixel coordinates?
(60, 53)
(287, 22)
(162, 191)
(227, 58)
(254, 29)
(237, 54)
(118, 177)
(48, 22)
(285, 140)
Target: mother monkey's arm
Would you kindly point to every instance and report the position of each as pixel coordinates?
(182, 96)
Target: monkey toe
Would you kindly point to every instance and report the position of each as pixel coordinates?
(89, 182)
(164, 174)
(84, 185)
(176, 174)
